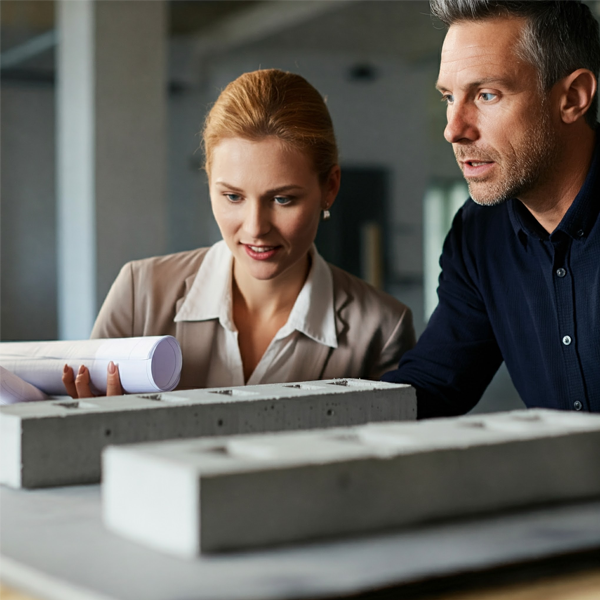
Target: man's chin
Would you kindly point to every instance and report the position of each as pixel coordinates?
(486, 195)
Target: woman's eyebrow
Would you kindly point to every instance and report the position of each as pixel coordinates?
(277, 190)
(284, 188)
(228, 186)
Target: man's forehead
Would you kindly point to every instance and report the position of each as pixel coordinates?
(482, 49)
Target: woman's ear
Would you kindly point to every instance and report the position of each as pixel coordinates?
(577, 92)
(332, 186)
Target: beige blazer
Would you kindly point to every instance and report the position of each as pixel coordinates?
(373, 328)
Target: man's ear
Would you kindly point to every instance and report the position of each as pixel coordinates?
(577, 92)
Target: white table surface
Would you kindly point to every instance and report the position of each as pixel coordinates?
(53, 545)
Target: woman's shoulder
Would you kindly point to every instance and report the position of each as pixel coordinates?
(179, 264)
(361, 297)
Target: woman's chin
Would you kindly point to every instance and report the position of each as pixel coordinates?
(279, 266)
(269, 271)
(265, 272)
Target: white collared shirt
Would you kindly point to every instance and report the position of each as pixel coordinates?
(210, 297)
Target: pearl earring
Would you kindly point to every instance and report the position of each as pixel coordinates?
(326, 214)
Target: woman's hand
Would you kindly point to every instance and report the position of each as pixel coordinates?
(79, 387)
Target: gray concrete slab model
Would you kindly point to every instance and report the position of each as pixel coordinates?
(232, 493)
(59, 442)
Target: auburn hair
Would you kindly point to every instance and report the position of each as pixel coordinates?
(273, 103)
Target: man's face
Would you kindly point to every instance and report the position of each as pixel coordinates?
(499, 124)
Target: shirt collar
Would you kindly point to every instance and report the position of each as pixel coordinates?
(313, 313)
(581, 215)
(210, 294)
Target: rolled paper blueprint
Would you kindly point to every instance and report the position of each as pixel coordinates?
(14, 389)
(146, 364)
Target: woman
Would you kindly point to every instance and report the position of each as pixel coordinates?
(261, 306)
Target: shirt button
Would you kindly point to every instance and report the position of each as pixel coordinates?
(577, 405)
(561, 272)
(580, 233)
(566, 340)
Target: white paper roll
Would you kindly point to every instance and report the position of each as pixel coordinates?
(146, 364)
(13, 389)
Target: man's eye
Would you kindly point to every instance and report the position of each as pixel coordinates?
(487, 96)
(282, 200)
(448, 98)
(233, 197)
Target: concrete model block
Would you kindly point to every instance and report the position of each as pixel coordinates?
(60, 442)
(187, 497)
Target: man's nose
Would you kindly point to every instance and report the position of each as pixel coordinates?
(461, 126)
(257, 220)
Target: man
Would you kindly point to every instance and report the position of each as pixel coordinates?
(520, 275)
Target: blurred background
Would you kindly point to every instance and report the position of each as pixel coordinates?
(101, 106)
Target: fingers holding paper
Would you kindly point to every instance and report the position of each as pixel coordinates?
(80, 386)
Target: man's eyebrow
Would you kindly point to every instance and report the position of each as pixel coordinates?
(489, 80)
(480, 83)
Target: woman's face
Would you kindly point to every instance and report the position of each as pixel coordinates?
(267, 200)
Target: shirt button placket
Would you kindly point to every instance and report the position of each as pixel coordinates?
(564, 290)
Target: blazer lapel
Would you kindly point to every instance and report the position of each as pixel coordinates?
(311, 358)
(195, 338)
(308, 360)
(341, 300)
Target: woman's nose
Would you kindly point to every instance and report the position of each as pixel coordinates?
(257, 219)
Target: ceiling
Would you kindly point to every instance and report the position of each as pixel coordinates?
(397, 28)
(26, 27)
(197, 16)
(185, 16)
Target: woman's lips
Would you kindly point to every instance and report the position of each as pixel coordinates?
(260, 252)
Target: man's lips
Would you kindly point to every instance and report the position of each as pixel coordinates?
(476, 167)
(476, 163)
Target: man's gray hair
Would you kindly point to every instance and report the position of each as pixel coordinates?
(561, 35)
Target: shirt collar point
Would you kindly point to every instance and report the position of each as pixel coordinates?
(209, 294)
(326, 340)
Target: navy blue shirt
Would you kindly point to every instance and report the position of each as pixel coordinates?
(510, 291)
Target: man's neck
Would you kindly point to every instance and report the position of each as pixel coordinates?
(551, 200)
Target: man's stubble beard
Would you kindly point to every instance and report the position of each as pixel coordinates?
(521, 172)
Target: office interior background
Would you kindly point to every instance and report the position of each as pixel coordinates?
(102, 103)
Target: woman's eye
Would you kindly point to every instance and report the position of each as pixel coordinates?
(233, 197)
(282, 200)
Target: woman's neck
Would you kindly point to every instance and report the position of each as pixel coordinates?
(267, 299)
(262, 308)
